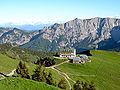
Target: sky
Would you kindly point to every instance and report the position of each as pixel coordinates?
(47, 11)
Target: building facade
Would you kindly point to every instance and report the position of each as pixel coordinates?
(68, 53)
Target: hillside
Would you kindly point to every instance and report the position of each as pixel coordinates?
(103, 70)
(7, 65)
(24, 84)
(23, 54)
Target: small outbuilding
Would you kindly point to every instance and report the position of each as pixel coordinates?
(81, 59)
(76, 60)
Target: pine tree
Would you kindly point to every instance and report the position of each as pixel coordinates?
(44, 75)
(22, 70)
(77, 86)
(49, 79)
(92, 86)
(62, 84)
(39, 74)
(83, 86)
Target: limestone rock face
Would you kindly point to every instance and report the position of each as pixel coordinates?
(83, 33)
(78, 33)
(13, 36)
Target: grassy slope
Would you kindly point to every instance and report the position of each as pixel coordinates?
(105, 66)
(24, 84)
(7, 64)
(59, 60)
(56, 77)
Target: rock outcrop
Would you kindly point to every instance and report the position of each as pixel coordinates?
(91, 33)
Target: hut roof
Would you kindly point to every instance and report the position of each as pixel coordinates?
(77, 59)
(84, 56)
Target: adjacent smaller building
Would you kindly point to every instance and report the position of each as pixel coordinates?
(81, 59)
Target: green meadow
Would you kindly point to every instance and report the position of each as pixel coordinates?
(24, 84)
(103, 70)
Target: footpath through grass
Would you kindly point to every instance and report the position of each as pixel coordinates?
(103, 70)
(7, 64)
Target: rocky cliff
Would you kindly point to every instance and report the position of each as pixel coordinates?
(94, 33)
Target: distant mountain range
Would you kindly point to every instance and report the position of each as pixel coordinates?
(94, 33)
(27, 27)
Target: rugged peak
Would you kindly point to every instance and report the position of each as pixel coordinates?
(77, 33)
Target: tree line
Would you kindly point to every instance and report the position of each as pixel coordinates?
(41, 75)
(46, 61)
(23, 54)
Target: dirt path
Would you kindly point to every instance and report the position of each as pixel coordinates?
(67, 78)
(58, 64)
(62, 74)
(3, 75)
(11, 73)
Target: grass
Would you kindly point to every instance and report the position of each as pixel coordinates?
(56, 77)
(59, 60)
(103, 70)
(7, 64)
(24, 84)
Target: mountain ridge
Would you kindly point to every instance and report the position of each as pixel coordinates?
(93, 33)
